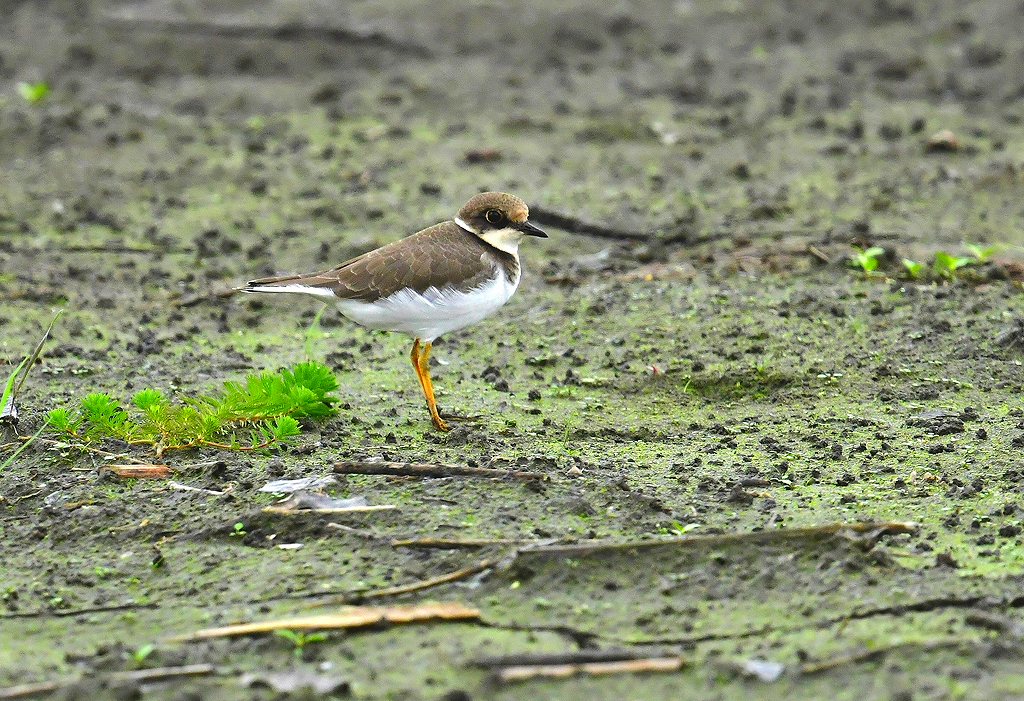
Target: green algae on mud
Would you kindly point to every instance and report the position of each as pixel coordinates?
(711, 374)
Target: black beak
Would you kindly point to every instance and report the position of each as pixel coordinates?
(531, 230)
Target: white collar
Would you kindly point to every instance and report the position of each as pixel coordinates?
(463, 225)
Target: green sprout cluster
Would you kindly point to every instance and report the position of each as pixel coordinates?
(261, 412)
(945, 266)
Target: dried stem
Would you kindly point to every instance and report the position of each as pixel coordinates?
(710, 541)
(404, 469)
(455, 576)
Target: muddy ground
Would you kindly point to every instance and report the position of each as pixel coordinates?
(689, 353)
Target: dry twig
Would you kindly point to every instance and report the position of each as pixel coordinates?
(141, 471)
(455, 544)
(345, 510)
(404, 469)
(521, 673)
(455, 576)
(356, 617)
(22, 691)
(706, 541)
(569, 657)
(876, 653)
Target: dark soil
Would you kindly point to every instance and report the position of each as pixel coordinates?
(689, 353)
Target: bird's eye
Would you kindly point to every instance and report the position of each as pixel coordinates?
(493, 216)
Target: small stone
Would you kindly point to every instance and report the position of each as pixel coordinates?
(943, 141)
(483, 155)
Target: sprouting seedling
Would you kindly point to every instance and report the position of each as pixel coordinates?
(981, 253)
(141, 654)
(914, 269)
(677, 529)
(866, 259)
(947, 265)
(300, 639)
(34, 93)
(238, 530)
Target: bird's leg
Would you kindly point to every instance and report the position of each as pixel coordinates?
(414, 356)
(421, 360)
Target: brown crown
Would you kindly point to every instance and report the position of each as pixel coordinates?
(513, 208)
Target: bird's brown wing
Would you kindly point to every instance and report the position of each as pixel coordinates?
(443, 255)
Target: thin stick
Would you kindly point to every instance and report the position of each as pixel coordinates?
(194, 300)
(157, 673)
(818, 253)
(78, 612)
(405, 469)
(189, 488)
(561, 658)
(361, 532)
(348, 510)
(86, 448)
(280, 32)
(14, 456)
(446, 544)
(561, 671)
(728, 538)
(140, 471)
(455, 576)
(22, 691)
(359, 617)
(868, 655)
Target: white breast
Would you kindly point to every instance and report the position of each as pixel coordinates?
(434, 312)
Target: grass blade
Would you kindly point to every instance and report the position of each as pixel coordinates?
(7, 399)
(13, 456)
(38, 350)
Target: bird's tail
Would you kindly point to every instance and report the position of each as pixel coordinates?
(294, 284)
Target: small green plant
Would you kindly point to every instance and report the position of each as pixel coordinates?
(915, 270)
(8, 395)
(238, 530)
(677, 529)
(11, 388)
(866, 259)
(141, 654)
(981, 253)
(300, 639)
(947, 265)
(34, 93)
(263, 411)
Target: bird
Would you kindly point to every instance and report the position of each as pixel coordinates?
(440, 279)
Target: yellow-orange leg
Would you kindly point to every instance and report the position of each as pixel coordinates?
(420, 363)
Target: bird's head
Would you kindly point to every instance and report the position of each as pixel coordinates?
(500, 219)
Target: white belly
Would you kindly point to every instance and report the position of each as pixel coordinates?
(434, 312)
